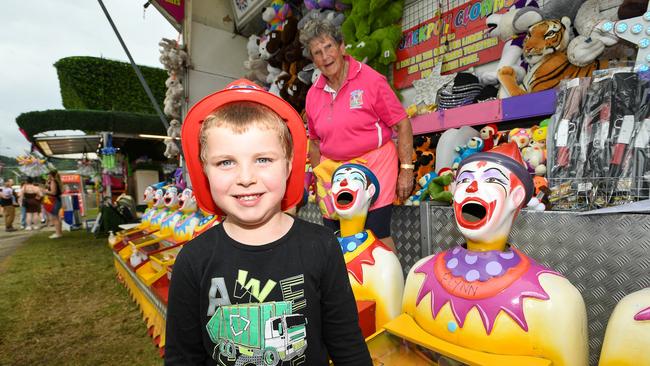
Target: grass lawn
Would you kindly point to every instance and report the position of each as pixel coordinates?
(60, 304)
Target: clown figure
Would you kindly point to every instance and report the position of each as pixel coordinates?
(373, 268)
(486, 295)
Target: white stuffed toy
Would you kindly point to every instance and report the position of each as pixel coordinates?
(173, 97)
(171, 146)
(272, 72)
(591, 42)
(256, 67)
(511, 27)
(172, 56)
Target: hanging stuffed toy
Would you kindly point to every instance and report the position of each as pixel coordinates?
(174, 133)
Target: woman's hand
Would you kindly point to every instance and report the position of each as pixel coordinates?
(404, 184)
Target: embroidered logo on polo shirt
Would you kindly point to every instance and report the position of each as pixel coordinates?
(356, 99)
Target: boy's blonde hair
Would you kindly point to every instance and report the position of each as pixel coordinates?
(239, 117)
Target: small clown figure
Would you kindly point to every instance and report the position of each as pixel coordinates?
(190, 217)
(486, 298)
(627, 339)
(373, 268)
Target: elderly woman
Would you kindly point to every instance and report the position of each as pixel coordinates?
(351, 115)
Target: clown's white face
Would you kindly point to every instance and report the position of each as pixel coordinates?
(158, 198)
(351, 192)
(187, 201)
(171, 197)
(487, 197)
(148, 194)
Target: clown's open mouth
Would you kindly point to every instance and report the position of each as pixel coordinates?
(345, 199)
(167, 200)
(473, 212)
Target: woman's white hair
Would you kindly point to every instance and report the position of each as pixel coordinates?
(318, 28)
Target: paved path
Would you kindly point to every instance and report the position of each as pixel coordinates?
(9, 242)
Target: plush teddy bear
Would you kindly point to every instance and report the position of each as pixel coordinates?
(334, 17)
(418, 196)
(437, 188)
(276, 14)
(256, 67)
(473, 146)
(446, 147)
(535, 158)
(270, 47)
(539, 134)
(171, 146)
(521, 136)
(173, 97)
(172, 56)
(488, 135)
(277, 87)
(421, 144)
(298, 84)
(297, 90)
(591, 43)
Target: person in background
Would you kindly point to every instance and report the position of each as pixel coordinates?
(31, 203)
(7, 201)
(53, 189)
(21, 201)
(2, 184)
(352, 113)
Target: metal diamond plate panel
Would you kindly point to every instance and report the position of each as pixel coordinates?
(405, 230)
(605, 256)
(311, 213)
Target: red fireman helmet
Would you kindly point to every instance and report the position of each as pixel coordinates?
(239, 91)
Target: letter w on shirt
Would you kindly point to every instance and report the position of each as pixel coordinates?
(253, 286)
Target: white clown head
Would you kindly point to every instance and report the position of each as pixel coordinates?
(354, 189)
(171, 197)
(148, 194)
(489, 190)
(187, 201)
(158, 201)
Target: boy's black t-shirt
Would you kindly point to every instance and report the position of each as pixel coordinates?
(299, 309)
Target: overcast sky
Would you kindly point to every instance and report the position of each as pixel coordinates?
(37, 33)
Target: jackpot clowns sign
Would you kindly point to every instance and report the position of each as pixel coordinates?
(459, 38)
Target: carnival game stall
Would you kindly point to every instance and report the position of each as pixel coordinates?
(548, 99)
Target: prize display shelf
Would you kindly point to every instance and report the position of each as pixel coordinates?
(154, 311)
(495, 111)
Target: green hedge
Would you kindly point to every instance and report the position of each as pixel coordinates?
(101, 84)
(89, 122)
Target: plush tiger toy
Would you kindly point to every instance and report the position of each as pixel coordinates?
(545, 52)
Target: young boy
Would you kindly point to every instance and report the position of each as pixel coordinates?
(262, 288)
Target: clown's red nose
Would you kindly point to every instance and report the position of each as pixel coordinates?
(472, 187)
(344, 183)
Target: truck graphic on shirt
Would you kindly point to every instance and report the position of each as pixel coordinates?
(266, 332)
